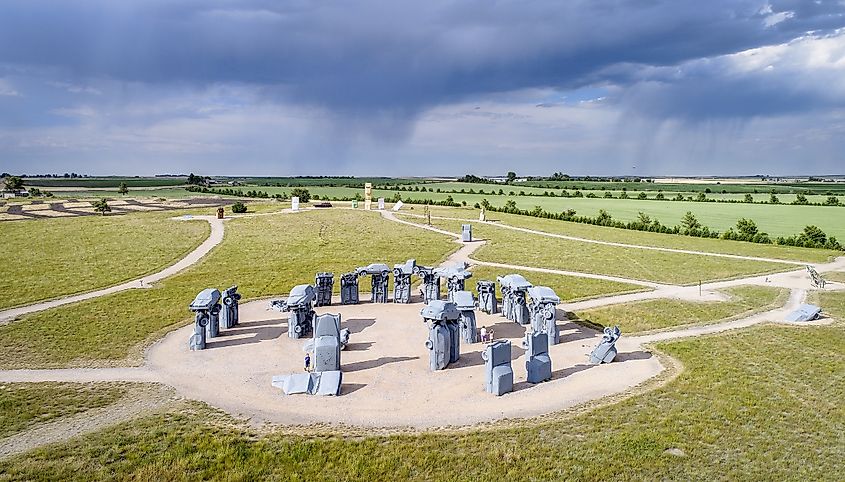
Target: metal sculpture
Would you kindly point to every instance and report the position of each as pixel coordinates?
(229, 314)
(206, 307)
(815, 278)
(327, 343)
(543, 309)
(380, 277)
(805, 312)
(605, 352)
(300, 305)
(466, 306)
(442, 320)
(466, 233)
(349, 288)
(514, 303)
(487, 297)
(316, 383)
(402, 281)
(431, 283)
(538, 364)
(324, 283)
(456, 276)
(498, 373)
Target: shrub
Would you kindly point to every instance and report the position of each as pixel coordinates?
(239, 207)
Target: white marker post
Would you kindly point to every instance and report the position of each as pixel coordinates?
(294, 203)
(381, 203)
(398, 205)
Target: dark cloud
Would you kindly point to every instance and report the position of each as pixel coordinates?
(386, 55)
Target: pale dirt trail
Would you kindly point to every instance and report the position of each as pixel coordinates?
(214, 238)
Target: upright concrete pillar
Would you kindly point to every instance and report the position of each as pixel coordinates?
(466, 233)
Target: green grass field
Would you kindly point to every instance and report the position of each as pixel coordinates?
(25, 404)
(263, 255)
(774, 416)
(49, 258)
(568, 288)
(525, 249)
(643, 238)
(667, 313)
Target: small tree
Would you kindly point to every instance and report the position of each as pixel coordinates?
(690, 223)
(302, 193)
(13, 183)
(800, 198)
(123, 188)
(746, 228)
(774, 199)
(511, 177)
(101, 206)
(749, 198)
(239, 208)
(832, 201)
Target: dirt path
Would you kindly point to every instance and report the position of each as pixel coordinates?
(214, 238)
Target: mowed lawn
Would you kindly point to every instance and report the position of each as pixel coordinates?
(49, 258)
(508, 246)
(263, 255)
(643, 238)
(568, 288)
(25, 404)
(763, 403)
(669, 313)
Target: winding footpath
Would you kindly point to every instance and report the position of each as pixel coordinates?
(214, 238)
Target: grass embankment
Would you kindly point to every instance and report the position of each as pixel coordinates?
(526, 249)
(25, 404)
(775, 415)
(263, 255)
(667, 313)
(568, 288)
(49, 258)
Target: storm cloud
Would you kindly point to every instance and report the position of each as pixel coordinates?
(351, 81)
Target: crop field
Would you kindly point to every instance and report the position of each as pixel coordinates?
(774, 219)
(103, 182)
(668, 313)
(711, 422)
(641, 238)
(264, 256)
(49, 258)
